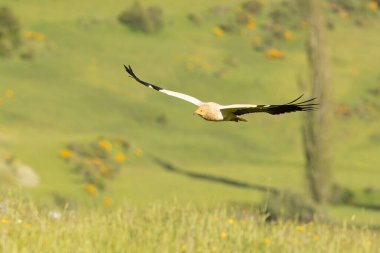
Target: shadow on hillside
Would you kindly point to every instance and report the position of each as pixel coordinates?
(216, 179)
(372, 207)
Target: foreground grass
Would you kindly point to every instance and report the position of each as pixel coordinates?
(169, 228)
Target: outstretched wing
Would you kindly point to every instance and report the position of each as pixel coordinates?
(240, 109)
(188, 98)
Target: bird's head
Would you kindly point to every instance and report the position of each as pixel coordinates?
(200, 111)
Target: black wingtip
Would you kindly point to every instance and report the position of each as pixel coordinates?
(294, 106)
(132, 74)
(129, 70)
(291, 102)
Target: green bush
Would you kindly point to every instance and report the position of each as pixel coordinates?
(10, 37)
(288, 13)
(252, 6)
(348, 5)
(289, 205)
(241, 17)
(28, 53)
(195, 18)
(341, 195)
(147, 20)
(360, 12)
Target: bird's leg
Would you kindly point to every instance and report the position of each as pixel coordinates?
(241, 119)
(237, 119)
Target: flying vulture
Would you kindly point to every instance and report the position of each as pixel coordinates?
(215, 112)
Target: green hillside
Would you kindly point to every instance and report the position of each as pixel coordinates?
(76, 90)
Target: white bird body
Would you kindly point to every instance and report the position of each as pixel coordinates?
(215, 112)
(210, 111)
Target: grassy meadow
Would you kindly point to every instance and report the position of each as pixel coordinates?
(172, 228)
(192, 177)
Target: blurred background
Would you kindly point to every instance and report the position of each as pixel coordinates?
(74, 128)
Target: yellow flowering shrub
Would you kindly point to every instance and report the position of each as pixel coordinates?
(119, 157)
(218, 32)
(8, 93)
(274, 54)
(5, 97)
(196, 61)
(38, 36)
(33, 43)
(343, 14)
(98, 162)
(288, 35)
(107, 201)
(65, 153)
(104, 144)
(90, 189)
(138, 152)
(4, 221)
(251, 23)
(300, 228)
(103, 170)
(372, 5)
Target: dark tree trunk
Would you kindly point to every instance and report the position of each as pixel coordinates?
(316, 131)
